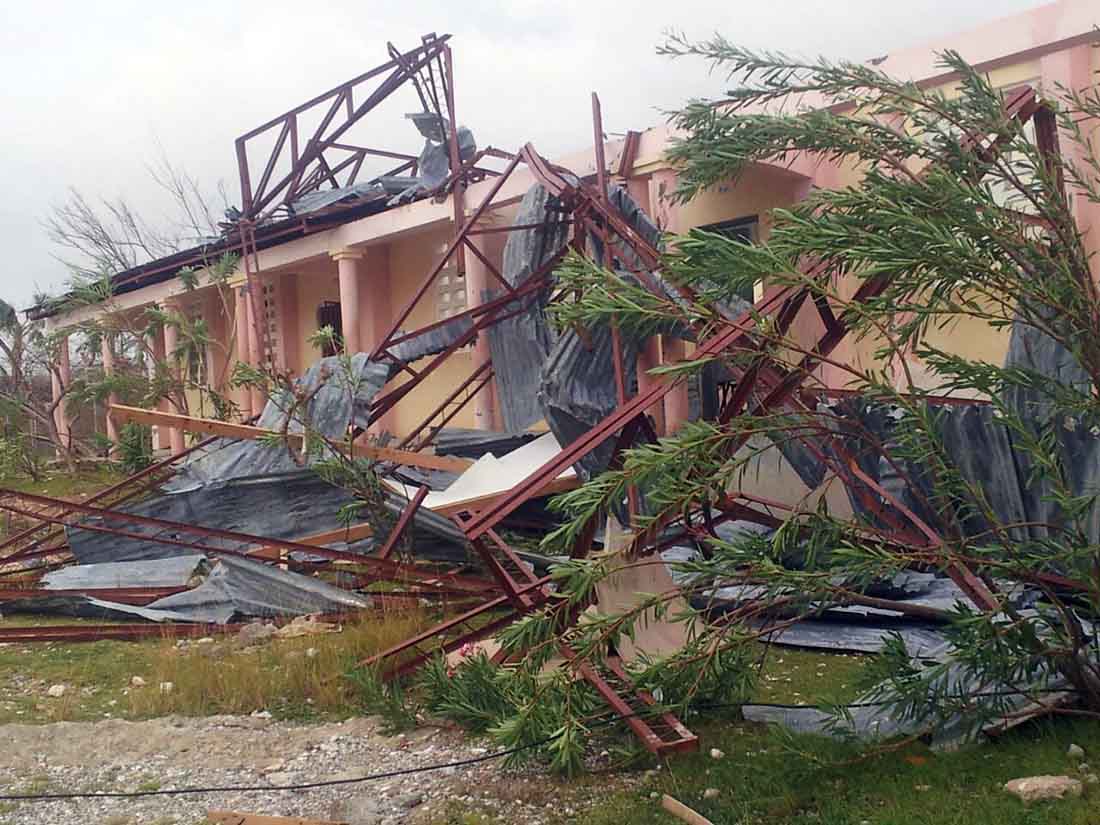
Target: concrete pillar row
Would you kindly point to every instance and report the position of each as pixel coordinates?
(347, 268)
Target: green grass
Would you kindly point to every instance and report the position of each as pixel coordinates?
(300, 678)
(770, 779)
(62, 484)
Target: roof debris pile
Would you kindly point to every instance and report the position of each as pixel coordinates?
(226, 530)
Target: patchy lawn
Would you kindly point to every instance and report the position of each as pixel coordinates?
(299, 678)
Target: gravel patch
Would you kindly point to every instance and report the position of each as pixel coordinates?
(173, 752)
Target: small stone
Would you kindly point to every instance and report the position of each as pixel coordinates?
(654, 795)
(1090, 779)
(716, 754)
(1075, 752)
(311, 652)
(137, 681)
(922, 788)
(1037, 788)
(205, 640)
(167, 687)
(710, 793)
(56, 691)
(409, 800)
(274, 767)
(279, 778)
(1084, 767)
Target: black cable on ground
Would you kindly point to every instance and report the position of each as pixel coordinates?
(475, 760)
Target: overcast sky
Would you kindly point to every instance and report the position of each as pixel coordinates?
(92, 89)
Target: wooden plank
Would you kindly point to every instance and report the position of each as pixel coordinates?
(681, 811)
(235, 818)
(228, 429)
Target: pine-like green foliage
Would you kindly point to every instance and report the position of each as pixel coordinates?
(947, 233)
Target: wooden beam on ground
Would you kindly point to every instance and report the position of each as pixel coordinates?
(681, 811)
(228, 429)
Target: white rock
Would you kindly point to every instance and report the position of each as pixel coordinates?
(1075, 752)
(56, 691)
(1091, 779)
(167, 687)
(137, 681)
(311, 652)
(205, 640)
(710, 793)
(1036, 788)
(716, 754)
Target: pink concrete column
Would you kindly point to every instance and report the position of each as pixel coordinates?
(1072, 68)
(171, 344)
(347, 267)
(60, 380)
(668, 217)
(240, 320)
(254, 304)
(478, 281)
(107, 349)
(376, 314)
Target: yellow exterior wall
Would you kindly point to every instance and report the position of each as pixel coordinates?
(411, 259)
(316, 283)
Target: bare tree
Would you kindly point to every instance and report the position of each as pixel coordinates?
(110, 235)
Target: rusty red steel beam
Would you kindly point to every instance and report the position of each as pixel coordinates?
(452, 246)
(111, 632)
(477, 379)
(403, 522)
(123, 595)
(496, 313)
(390, 570)
(164, 464)
(253, 202)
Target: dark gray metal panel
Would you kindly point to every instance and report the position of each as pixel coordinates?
(520, 345)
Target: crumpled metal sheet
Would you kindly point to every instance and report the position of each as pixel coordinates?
(337, 398)
(981, 447)
(578, 390)
(520, 345)
(319, 199)
(176, 572)
(273, 508)
(874, 719)
(430, 342)
(240, 587)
